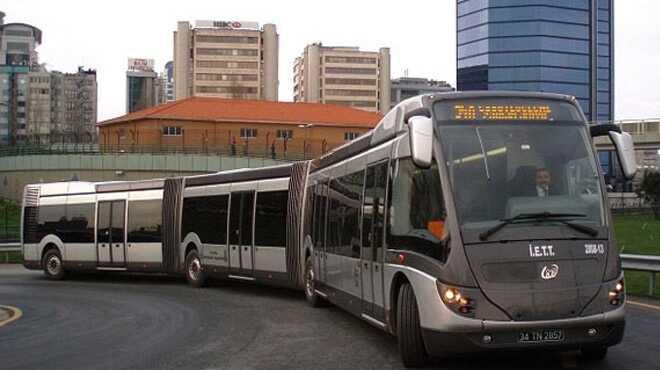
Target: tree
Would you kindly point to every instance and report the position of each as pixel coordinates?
(649, 190)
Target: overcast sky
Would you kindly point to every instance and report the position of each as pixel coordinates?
(421, 35)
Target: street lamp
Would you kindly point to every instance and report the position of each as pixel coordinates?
(305, 126)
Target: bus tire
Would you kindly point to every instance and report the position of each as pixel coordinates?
(593, 353)
(194, 272)
(310, 292)
(409, 332)
(52, 264)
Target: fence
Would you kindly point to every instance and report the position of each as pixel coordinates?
(279, 152)
(9, 221)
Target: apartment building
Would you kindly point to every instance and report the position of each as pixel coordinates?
(344, 76)
(226, 59)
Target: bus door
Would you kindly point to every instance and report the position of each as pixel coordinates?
(319, 232)
(373, 227)
(111, 238)
(241, 223)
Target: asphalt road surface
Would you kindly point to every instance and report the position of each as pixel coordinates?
(152, 322)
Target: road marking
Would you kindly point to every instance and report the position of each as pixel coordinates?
(649, 306)
(16, 314)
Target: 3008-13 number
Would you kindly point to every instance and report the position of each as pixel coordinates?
(594, 248)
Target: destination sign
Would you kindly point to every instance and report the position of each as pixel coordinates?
(502, 112)
(515, 109)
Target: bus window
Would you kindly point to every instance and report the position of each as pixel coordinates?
(417, 211)
(144, 221)
(207, 217)
(270, 220)
(374, 209)
(319, 216)
(348, 189)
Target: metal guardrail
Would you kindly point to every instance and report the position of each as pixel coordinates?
(636, 262)
(10, 247)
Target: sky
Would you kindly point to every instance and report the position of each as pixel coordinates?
(421, 35)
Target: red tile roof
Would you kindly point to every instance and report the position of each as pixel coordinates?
(257, 111)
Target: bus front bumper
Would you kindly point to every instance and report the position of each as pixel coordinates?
(505, 335)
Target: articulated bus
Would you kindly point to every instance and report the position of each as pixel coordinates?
(463, 222)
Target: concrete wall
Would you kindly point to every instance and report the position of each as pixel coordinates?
(16, 172)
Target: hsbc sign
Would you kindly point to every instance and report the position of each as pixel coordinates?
(227, 24)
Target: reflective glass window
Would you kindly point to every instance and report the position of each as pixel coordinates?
(603, 85)
(270, 219)
(207, 217)
(538, 74)
(539, 12)
(477, 47)
(144, 221)
(539, 43)
(604, 50)
(473, 61)
(539, 58)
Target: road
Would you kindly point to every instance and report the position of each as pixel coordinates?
(153, 322)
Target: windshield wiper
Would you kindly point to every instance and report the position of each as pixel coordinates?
(541, 216)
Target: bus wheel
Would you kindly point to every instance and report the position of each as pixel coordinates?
(310, 292)
(52, 263)
(409, 333)
(594, 353)
(194, 272)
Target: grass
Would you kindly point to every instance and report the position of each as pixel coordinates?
(11, 257)
(10, 216)
(638, 234)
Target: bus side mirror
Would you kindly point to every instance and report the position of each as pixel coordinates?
(421, 140)
(626, 152)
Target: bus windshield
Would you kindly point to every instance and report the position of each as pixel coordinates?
(503, 169)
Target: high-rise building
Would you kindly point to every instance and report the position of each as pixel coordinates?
(18, 56)
(74, 105)
(227, 59)
(563, 46)
(407, 87)
(168, 81)
(143, 85)
(39, 107)
(343, 76)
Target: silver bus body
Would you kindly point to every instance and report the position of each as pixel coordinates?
(338, 215)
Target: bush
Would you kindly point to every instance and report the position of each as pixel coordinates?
(649, 190)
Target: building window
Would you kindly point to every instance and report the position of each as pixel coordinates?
(172, 131)
(348, 103)
(348, 136)
(341, 59)
(285, 134)
(341, 92)
(227, 39)
(341, 70)
(247, 133)
(350, 81)
(234, 52)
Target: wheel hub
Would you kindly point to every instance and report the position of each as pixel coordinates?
(53, 265)
(309, 282)
(195, 267)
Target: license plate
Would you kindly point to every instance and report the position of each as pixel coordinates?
(541, 336)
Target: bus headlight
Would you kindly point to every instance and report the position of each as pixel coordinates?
(617, 294)
(456, 300)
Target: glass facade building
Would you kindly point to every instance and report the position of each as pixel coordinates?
(560, 46)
